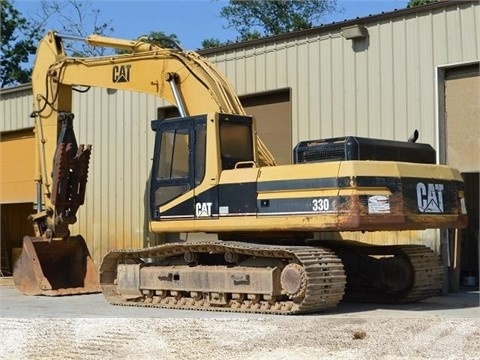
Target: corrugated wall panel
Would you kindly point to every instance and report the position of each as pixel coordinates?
(401, 53)
(374, 84)
(250, 71)
(349, 98)
(15, 108)
(408, 113)
(260, 70)
(473, 37)
(115, 214)
(439, 33)
(337, 82)
(381, 87)
(361, 91)
(298, 58)
(454, 38)
(281, 67)
(271, 75)
(426, 121)
(387, 96)
(313, 95)
(326, 96)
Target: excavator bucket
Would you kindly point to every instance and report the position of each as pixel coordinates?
(54, 268)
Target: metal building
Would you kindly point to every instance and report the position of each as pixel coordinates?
(381, 76)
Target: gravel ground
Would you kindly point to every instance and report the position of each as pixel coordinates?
(87, 327)
(261, 338)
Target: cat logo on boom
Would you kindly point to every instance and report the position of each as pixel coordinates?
(121, 73)
(430, 198)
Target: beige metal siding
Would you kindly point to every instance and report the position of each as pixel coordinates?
(115, 214)
(383, 86)
(16, 105)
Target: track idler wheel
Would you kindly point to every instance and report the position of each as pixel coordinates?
(293, 281)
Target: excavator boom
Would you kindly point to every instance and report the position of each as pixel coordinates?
(62, 165)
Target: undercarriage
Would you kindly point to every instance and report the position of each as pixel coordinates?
(275, 279)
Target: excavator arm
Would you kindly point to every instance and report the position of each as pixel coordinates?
(185, 79)
(181, 78)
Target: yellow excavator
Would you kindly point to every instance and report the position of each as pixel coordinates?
(211, 173)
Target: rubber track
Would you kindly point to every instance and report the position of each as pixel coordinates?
(324, 275)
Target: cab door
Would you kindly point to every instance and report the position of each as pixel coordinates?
(173, 168)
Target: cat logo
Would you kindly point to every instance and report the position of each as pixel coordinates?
(430, 198)
(203, 209)
(121, 73)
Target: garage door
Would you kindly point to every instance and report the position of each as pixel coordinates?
(272, 111)
(462, 121)
(462, 118)
(17, 167)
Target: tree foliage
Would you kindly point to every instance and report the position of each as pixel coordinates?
(18, 43)
(257, 18)
(159, 38)
(162, 39)
(211, 43)
(413, 3)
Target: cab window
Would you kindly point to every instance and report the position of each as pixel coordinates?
(236, 143)
(174, 154)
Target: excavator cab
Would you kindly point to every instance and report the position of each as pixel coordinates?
(182, 172)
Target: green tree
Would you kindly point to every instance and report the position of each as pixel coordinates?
(413, 3)
(159, 38)
(214, 42)
(257, 18)
(211, 43)
(162, 39)
(19, 38)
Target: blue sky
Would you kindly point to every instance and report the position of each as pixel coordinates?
(194, 20)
